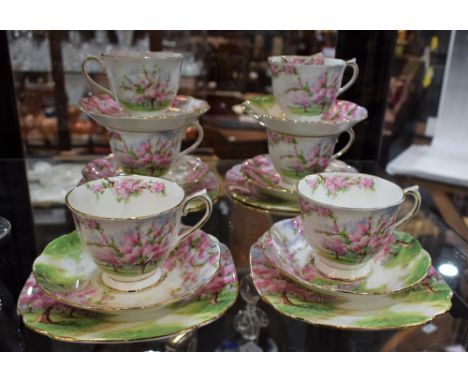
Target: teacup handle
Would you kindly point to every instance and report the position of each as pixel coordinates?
(209, 208)
(352, 137)
(188, 150)
(95, 87)
(414, 192)
(354, 66)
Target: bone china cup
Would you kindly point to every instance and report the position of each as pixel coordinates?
(129, 224)
(143, 83)
(350, 218)
(297, 156)
(305, 88)
(150, 153)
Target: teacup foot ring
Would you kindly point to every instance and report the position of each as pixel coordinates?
(348, 273)
(134, 285)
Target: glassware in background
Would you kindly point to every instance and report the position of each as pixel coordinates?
(248, 322)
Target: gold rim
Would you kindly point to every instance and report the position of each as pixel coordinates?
(263, 206)
(74, 210)
(204, 108)
(144, 307)
(248, 109)
(356, 174)
(343, 327)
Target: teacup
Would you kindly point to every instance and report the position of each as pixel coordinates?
(129, 224)
(150, 153)
(143, 83)
(350, 218)
(306, 89)
(297, 156)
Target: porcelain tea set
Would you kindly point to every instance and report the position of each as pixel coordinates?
(341, 263)
(132, 271)
(303, 120)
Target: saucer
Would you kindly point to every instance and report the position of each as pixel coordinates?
(260, 171)
(244, 192)
(49, 317)
(415, 306)
(106, 111)
(187, 170)
(66, 271)
(341, 116)
(405, 265)
(191, 173)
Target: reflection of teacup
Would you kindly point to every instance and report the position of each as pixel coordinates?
(297, 156)
(305, 89)
(143, 83)
(129, 224)
(150, 153)
(350, 218)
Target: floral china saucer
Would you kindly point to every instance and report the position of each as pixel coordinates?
(246, 193)
(191, 173)
(260, 171)
(106, 111)
(44, 315)
(188, 169)
(341, 116)
(67, 272)
(405, 265)
(415, 306)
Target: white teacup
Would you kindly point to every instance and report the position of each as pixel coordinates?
(297, 156)
(150, 153)
(129, 224)
(306, 89)
(350, 218)
(143, 83)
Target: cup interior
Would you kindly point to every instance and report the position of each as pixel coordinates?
(125, 197)
(305, 61)
(350, 191)
(128, 54)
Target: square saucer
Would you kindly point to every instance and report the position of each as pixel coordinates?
(405, 265)
(67, 273)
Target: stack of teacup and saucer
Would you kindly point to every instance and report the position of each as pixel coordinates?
(303, 119)
(131, 271)
(342, 263)
(147, 120)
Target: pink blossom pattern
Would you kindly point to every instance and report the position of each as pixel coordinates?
(318, 97)
(309, 208)
(275, 138)
(357, 242)
(270, 281)
(104, 104)
(342, 111)
(287, 64)
(99, 168)
(148, 90)
(300, 160)
(261, 170)
(334, 184)
(129, 250)
(126, 188)
(193, 252)
(152, 156)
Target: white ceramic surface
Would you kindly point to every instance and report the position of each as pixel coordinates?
(129, 224)
(143, 83)
(349, 218)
